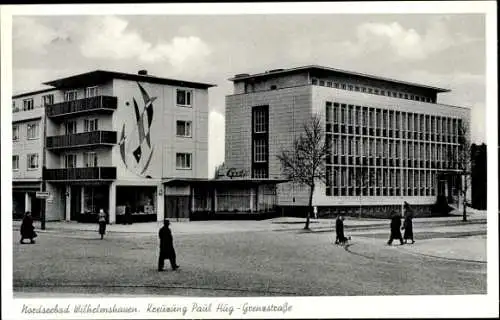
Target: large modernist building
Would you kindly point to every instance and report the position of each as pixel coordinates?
(108, 140)
(395, 132)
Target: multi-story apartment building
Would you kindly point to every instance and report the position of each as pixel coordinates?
(27, 149)
(112, 138)
(391, 140)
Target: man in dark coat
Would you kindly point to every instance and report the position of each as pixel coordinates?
(128, 215)
(339, 230)
(27, 228)
(395, 231)
(408, 223)
(167, 250)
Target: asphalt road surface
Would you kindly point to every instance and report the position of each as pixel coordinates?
(262, 263)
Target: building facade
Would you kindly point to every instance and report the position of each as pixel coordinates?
(27, 150)
(111, 139)
(391, 141)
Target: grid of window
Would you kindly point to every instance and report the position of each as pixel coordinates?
(399, 153)
(91, 92)
(183, 161)
(32, 161)
(260, 121)
(90, 159)
(372, 90)
(32, 130)
(28, 104)
(70, 95)
(15, 162)
(260, 150)
(183, 98)
(70, 161)
(48, 99)
(88, 125)
(15, 132)
(183, 128)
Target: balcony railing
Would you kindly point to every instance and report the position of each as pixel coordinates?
(86, 105)
(81, 140)
(72, 174)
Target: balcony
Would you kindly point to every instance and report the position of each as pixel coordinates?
(82, 174)
(99, 104)
(84, 139)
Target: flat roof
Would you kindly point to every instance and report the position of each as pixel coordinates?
(24, 94)
(275, 72)
(237, 181)
(101, 76)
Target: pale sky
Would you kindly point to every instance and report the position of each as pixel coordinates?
(441, 50)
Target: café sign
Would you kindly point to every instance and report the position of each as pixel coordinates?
(231, 173)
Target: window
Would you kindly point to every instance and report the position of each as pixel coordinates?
(260, 120)
(184, 97)
(33, 130)
(382, 92)
(401, 95)
(406, 96)
(328, 83)
(91, 92)
(183, 161)
(28, 104)
(322, 83)
(15, 162)
(70, 161)
(363, 89)
(15, 133)
(336, 85)
(259, 150)
(376, 91)
(394, 94)
(370, 90)
(70, 95)
(32, 161)
(89, 125)
(344, 86)
(70, 127)
(14, 108)
(314, 81)
(90, 159)
(184, 128)
(356, 88)
(48, 100)
(351, 87)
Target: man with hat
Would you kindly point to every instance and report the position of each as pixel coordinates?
(167, 250)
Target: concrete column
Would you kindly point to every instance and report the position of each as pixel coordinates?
(215, 199)
(67, 195)
(112, 203)
(27, 202)
(82, 202)
(160, 203)
(252, 196)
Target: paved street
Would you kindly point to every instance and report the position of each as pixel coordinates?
(282, 260)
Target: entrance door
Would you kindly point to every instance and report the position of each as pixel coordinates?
(177, 207)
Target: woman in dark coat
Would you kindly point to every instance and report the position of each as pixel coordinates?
(408, 224)
(167, 250)
(27, 228)
(395, 225)
(339, 230)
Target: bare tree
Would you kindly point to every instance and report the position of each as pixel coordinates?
(305, 163)
(459, 165)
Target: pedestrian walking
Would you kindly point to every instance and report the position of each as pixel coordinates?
(102, 223)
(408, 223)
(167, 250)
(128, 215)
(339, 230)
(395, 225)
(27, 228)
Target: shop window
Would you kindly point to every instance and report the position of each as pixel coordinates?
(183, 161)
(184, 98)
(184, 129)
(314, 81)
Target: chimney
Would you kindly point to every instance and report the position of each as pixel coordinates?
(143, 72)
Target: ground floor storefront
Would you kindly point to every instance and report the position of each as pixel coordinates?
(24, 199)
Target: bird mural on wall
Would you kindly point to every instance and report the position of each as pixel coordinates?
(136, 149)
